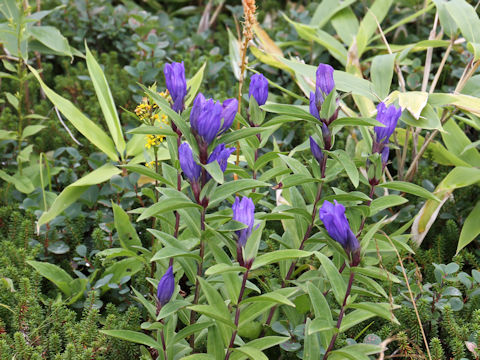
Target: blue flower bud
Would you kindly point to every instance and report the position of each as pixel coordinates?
(316, 151)
(221, 155)
(313, 106)
(189, 167)
(205, 118)
(258, 88)
(243, 211)
(388, 116)
(324, 82)
(229, 110)
(324, 85)
(336, 223)
(176, 84)
(166, 286)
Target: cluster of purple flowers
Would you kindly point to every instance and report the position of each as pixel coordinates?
(333, 215)
(208, 120)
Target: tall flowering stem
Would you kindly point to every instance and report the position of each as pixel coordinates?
(237, 311)
(177, 87)
(324, 86)
(208, 119)
(199, 273)
(243, 211)
(388, 117)
(338, 227)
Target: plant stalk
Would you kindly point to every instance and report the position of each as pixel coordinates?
(372, 192)
(237, 314)
(199, 273)
(340, 316)
(305, 238)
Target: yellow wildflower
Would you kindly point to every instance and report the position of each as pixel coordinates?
(143, 110)
(150, 164)
(153, 140)
(150, 114)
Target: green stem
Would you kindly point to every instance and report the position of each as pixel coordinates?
(340, 316)
(237, 314)
(199, 273)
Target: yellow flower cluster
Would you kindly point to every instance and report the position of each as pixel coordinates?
(153, 140)
(144, 110)
(150, 115)
(150, 165)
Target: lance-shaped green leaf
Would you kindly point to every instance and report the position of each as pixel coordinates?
(382, 73)
(251, 352)
(83, 124)
(191, 329)
(466, 19)
(375, 15)
(337, 283)
(470, 229)
(384, 310)
(55, 274)
(133, 336)
(73, 191)
(230, 188)
(279, 255)
(106, 102)
(409, 188)
(386, 202)
(167, 204)
(126, 232)
(260, 344)
(52, 38)
(346, 161)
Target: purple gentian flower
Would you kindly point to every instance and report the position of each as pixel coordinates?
(165, 288)
(258, 88)
(316, 151)
(229, 110)
(324, 85)
(205, 118)
(221, 155)
(336, 223)
(176, 84)
(243, 211)
(189, 167)
(388, 116)
(324, 82)
(197, 108)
